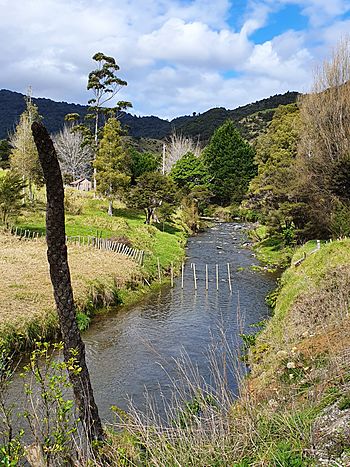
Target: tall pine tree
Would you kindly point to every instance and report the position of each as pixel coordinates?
(112, 163)
(230, 163)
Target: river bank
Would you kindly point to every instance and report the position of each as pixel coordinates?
(294, 407)
(101, 279)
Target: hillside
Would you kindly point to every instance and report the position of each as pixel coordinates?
(250, 119)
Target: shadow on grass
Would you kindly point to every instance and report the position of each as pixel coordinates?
(130, 214)
(273, 243)
(168, 228)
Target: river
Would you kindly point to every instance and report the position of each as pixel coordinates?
(134, 351)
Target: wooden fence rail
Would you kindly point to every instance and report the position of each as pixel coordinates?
(94, 242)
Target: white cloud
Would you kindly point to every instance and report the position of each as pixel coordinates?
(175, 54)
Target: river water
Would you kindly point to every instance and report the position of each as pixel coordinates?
(134, 350)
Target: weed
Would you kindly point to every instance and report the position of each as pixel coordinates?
(344, 403)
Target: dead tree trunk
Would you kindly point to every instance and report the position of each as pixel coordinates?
(60, 278)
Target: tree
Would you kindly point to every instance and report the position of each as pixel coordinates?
(189, 172)
(325, 144)
(5, 151)
(230, 162)
(151, 191)
(60, 278)
(273, 191)
(11, 194)
(105, 84)
(142, 162)
(74, 157)
(24, 155)
(112, 163)
(176, 148)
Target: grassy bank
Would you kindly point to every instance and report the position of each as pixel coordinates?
(294, 407)
(100, 278)
(301, 361)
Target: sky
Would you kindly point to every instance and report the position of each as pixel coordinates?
(178, 56)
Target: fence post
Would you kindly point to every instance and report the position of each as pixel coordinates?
(172, 274)
(194, 276)
(206, 278)
(229, 277)
(217, 276)
(159, 274)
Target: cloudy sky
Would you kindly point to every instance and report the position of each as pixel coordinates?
(178, 56)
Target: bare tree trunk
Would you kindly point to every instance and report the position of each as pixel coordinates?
(60, 278)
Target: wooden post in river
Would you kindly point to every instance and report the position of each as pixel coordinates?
(182, 275)
(229, 277)
(194, 276)
(206, 278)
(217, 277)
(172, 274)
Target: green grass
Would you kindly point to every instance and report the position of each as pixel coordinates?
(270, 250)
(167, 245)
(297, 280)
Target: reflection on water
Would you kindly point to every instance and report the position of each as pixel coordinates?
(134, 349)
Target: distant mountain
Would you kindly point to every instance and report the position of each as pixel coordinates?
(250, 119)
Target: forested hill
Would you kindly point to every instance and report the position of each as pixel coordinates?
(251, 119)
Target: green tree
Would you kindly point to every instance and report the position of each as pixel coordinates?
(104, 84)
(189, 172)
(112, 163)
(142, 162)
(11, 194)
(5, 151)
(24, 155)
(273, 191)
(152, 190)
(230, 162)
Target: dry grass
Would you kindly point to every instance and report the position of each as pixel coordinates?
(26, 293)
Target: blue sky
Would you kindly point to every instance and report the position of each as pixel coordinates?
(178, 56)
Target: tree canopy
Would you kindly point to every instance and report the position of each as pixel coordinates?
(189, 172)
(112, 163)
(151, 191)
(230, 162)
(11, 194)
(24, 155)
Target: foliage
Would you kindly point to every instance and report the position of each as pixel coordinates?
(272, 191)
(24, 155)
(323, 157)
(11, 195)
(112, 163)
(189, 172)
(142, 162)
(105, 84)
(151, 190)
(5, 150)
(229, 161)
(53, 423)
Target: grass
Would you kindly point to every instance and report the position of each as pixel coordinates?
(99, 278)
(27, 304)
(93, 220)
(303, 353)
(270, 250)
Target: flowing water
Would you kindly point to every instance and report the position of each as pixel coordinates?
(134, 350)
